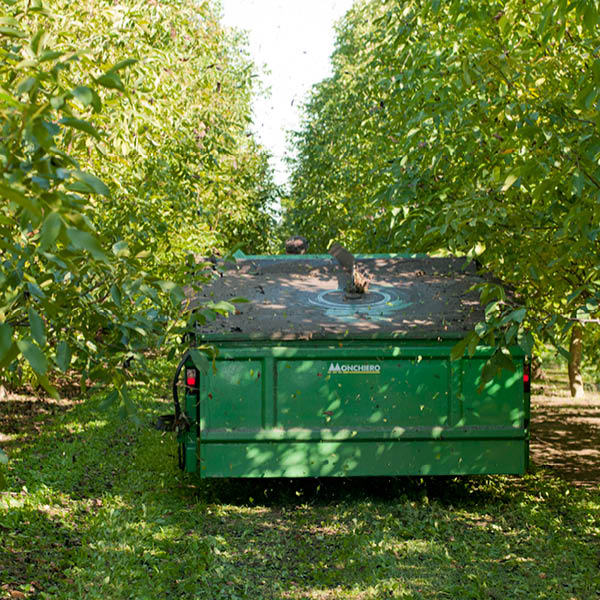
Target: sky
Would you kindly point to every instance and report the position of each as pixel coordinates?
(293, 40)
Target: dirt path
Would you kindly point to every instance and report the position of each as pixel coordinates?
(22, 416)
(565, 433)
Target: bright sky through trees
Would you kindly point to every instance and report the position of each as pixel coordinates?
(292, 40)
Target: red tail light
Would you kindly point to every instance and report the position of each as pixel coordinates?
(527, 377)
(191, 377)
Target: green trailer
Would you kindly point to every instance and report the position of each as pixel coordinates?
(314, 381)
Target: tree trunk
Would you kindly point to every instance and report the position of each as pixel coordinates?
(538, 374)
(575, 349)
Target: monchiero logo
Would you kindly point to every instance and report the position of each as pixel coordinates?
(358, 369)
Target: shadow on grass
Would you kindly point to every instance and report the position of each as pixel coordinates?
(36, 550)
(459, 537)
(280, 492)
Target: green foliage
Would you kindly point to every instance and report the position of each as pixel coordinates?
(174, 129)
(343, 146)
(469, 128)
(123, 151)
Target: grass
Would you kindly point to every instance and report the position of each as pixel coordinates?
(97, 508)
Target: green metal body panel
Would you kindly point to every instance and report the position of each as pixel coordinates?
(354, 408)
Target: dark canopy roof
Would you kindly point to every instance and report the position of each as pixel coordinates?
(303, 297)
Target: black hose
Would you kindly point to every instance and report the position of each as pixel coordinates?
(175, 381)
(180, 449)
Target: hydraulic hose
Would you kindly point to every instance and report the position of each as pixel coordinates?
(180, 450)
(175, 382)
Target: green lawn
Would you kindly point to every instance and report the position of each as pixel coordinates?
(97, 508)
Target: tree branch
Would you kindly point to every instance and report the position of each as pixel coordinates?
(588, 175)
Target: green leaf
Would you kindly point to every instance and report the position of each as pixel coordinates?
(223, 308)
(83, 94)
(473, 343)
(510, 333)
(510, 180)
(21, 199)
(111, 80)
(502, 361)
(121, 249)
(527, 342)
(109, 400)
(481, 329)
(458, 350)
(10, 32)
(115, 294)
(35, 357)
(518, 315)
(534, 273)
(34, 6)
(200, 361)
(96, 185)
(81, 125)
(487, 374)
(9, 99)
(3, 457)
(45, 383)
(11, 21)
(130, 408)
(175, 292)
(177, 295)
(37, 41)
(79, 187)
(49, 55)
(590, 17)
(51, 229)
(63, 356)
(26, 85)
(57, 102)
(10, 356)
(87, 96)
(38, 328)
(6, 340)
(85, 241)
(122, 64)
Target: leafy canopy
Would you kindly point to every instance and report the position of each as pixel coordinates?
(124, 151)
(471, 128)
